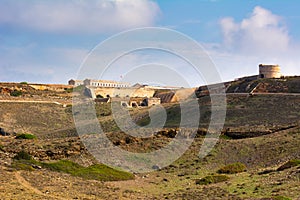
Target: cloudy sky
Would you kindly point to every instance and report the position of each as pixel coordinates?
(47, 41)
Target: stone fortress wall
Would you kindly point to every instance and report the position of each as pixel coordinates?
(124, 92)
(99, 83)
(269, 71)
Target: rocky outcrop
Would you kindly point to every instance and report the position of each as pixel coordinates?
(4, 133)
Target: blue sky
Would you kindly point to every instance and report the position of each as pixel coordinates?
(46, 41)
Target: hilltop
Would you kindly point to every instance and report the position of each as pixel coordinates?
(254, 84)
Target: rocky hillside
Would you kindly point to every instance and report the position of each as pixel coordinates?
(254, 85)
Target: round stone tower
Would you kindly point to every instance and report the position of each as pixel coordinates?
(269, 71)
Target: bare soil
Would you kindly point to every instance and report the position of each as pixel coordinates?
(277, 116)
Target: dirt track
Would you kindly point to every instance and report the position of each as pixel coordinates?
(27, 185)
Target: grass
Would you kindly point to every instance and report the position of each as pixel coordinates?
(18, 165)
(103, 109)
(25, 136)
(225, 137)
(281, 198)
(22, 155)
(68, 90)
(1, 147)
(23, 161)
(98, 172)
(79, 89)
(211, 179)
(233, 168)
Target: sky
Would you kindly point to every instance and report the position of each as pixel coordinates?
(49, 41)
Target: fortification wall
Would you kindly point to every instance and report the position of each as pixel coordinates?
(52, 87)
(269, 71)
(175, 96)
(124, 92)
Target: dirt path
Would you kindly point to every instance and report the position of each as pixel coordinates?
(27, 185)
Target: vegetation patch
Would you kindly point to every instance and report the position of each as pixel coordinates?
(25, 136)
(23, 161)
(22, 165)
(233, 168)
(1, 147)
(79, 88)
(103, 109)
(68, 90)
(22, 155)
(212, 179)
(15, 93)
(281, 198)
(289, 164)
(97, 172)
(100, 172)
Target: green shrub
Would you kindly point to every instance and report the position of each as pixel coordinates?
(25, 136)
(100, 172)
(289, 164)
(24, 83)
(281, 198)
(22, 155)
(212, 179)
(225, 137)
(97, 172)
(233, 168)
(103, 109)
(79, 88)
(15, 93)
(22, 166)
(68, 90)
(103, 173)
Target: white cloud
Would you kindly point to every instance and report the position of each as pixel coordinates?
(35, 64)
(65, 16)
(262, 37)
(262, 32)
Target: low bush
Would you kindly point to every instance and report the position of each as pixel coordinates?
(97, 172)
(212, 179)
(22, 155)
(281, 198)
(68, 90)
(25, 136)
(233, 168)
(22, 166)
(15, 93)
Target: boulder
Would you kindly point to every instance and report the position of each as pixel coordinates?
(3, 133)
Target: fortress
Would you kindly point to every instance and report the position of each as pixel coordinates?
(269, 71)
(98, 83)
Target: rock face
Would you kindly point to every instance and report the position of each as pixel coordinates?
(3, 133)
(5, 91)
(42, 150)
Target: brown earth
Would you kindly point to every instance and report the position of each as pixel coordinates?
(271, 121)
